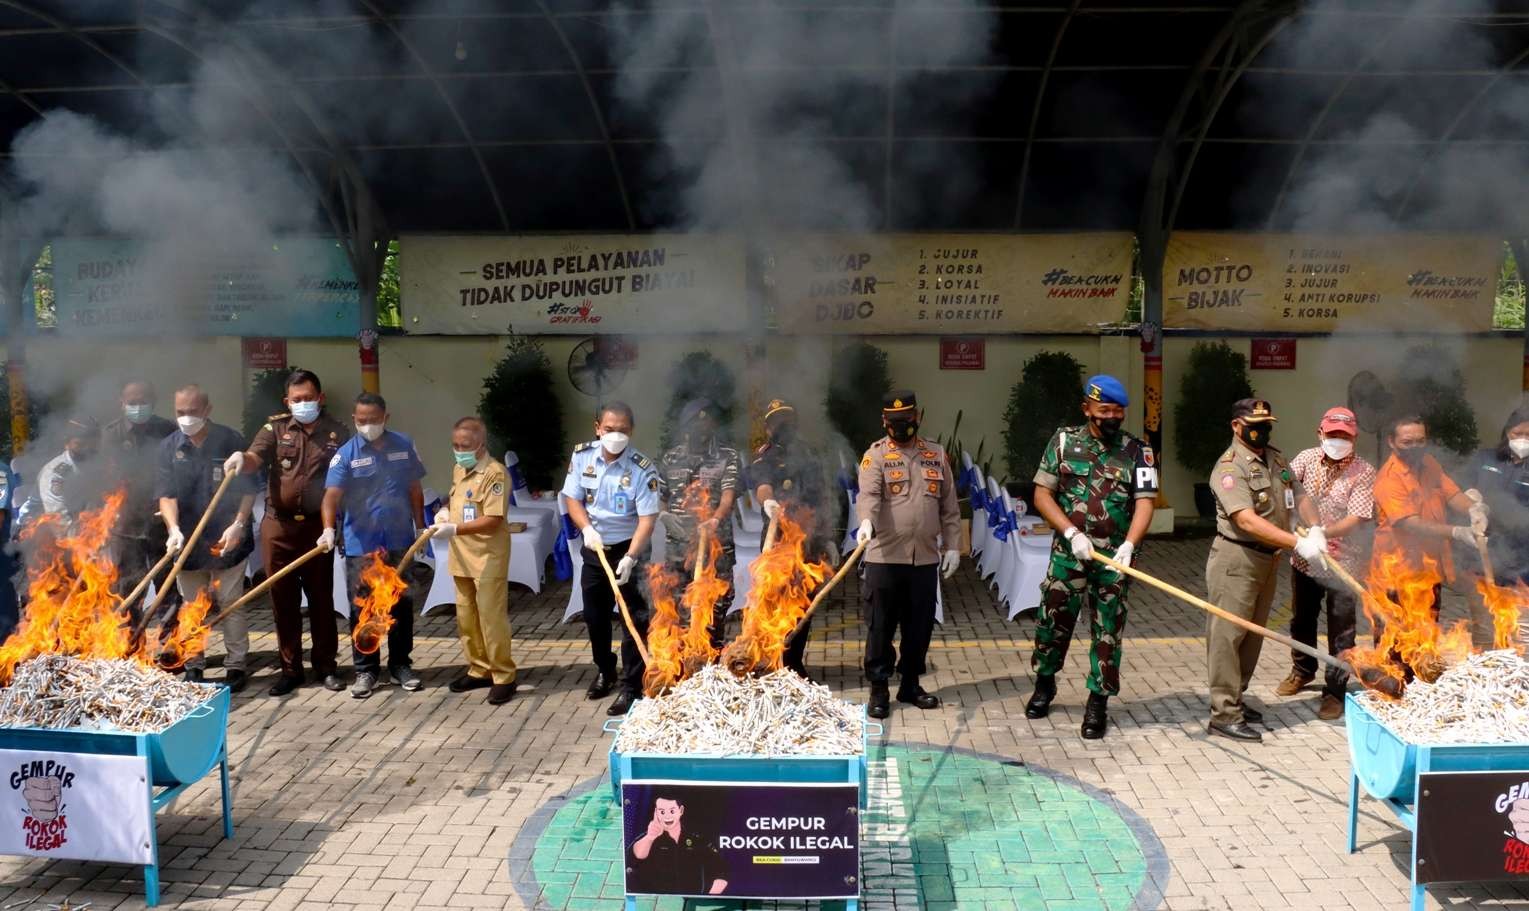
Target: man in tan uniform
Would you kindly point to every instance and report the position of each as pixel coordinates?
(908, 514)
(1256, 499)
(480, 562)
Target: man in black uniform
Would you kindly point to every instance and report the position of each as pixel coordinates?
(786, 472)
(672, 860)
(700, 459)
(131, 446)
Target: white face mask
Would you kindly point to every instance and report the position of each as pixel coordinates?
(1337, 449)
(1519, 448)
(614, 443)
(190, 424)
(369, 432)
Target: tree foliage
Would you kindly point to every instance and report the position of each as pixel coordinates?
(1429, 383)
(857, 380)
(520, 407)
(1215, 377)
(699, 374)
(264, 397)
(1046, 397)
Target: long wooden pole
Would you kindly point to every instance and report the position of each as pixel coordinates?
(148, 577)
(265, 586)
(408, 555)
(769, 538)
(626, 616)
(700, 553)
(1486, 560)
(817, 599)
(186, 548)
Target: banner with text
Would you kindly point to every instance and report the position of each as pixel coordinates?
(1311, 283)
(572, 284)
(298, 288)
(966, 284)
(80, 806)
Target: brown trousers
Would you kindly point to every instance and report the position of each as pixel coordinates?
(281, 543)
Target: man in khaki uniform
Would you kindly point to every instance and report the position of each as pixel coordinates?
(1256, 499)
(480, 562)
(908, 513)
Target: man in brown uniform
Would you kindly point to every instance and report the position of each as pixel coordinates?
(908, 512)
(1256, 499)
(480, 562)
(295, 449)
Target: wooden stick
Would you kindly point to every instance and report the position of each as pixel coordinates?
(610, 574)
(143, 584)
(408, 555)
(817, 599)
(1486, 560)
(769, 538)
(185, 551)
(1349, 580)
(700, 553)
(261, 589)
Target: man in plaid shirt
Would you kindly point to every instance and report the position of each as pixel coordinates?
(1339, 487)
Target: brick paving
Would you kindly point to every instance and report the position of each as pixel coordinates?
(438, 801)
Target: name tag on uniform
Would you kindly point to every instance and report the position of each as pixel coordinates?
(217, 474)
(399, 456)
(469, 512)
(1289, 498)
(621, 501)
(361, 463)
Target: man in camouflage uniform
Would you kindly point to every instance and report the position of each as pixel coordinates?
(701, 460)
(1095, 486)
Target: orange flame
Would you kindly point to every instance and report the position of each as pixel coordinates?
(700, 599)
(376, 615)
(782, 588)
(190, 636)
(1410, 639)
(1504, 604)
(665, 666)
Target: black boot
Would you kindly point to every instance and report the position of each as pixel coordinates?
(1095, 716)
(881, 700)
(1040, 700)
(910, 693)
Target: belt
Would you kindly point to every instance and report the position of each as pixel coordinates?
(1250, 545)
(280, 516)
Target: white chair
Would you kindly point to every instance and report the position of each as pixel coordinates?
(992, 553)
(979, 529)
(443, 590)
(750, 514)
(1030, 572)
(1009, 559)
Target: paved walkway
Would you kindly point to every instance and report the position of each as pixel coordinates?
(438, 801)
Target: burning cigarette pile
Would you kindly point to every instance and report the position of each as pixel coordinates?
(109, 694)
(715, 712)
(1483, 699)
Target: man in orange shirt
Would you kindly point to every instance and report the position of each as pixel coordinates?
(1413, 502)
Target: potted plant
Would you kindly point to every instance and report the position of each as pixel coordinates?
(1214, 379)
(264, 397)
(522, 412)
(1047, 396)
(699, 374)
(1429, 383)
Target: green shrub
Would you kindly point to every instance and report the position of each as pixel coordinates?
(1429, 383)
(1214, 379)
(699, 374)
(522, 412)
(1048, 395)
(857, 381)
(264, 397)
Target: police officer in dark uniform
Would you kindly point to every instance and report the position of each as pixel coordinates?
(295, 449)
(713, 469)
(9, 608)
(787, 472)
(131, 446)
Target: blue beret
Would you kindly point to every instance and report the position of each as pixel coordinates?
(1107, 389)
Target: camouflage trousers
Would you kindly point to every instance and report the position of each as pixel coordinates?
(725, 561)
(1068, 588)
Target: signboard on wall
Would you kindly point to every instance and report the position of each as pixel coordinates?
(264, 353)
(963, 354)
(573, 284)
(933, 283)
(301, 288)
(1273, 354)
(78, 806)
(1314, 283)
(1472, 826)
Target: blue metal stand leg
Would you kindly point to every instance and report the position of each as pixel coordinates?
(150, 869)
(1353, 811)
(228, 804)
(631, 903)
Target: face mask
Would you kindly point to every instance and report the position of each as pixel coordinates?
(465, 459)
(369, 432)
(305, 412)
(1413, 458)
(190, 424)
(1519, 448)
(137, 414)
(614, 443)
(1256, 435)
(782, 434)
(1108, 428)
(902, 431)
(1337, 449)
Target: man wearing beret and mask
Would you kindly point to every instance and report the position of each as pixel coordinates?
(1095, 486)
(698, 467)
(908, 512)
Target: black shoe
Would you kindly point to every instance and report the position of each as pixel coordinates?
(1252, 715)
(621, 704)
(333, 683)
(1236, 731)
(236, 680)
(500, 693)
(468, 682)
(917, 697)
(194, 675)
(1095, 716)
(881, 701)
(602, 686)
(285, 684)
(1039, 705)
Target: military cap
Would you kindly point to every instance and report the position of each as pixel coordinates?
(1253, 411)
(696, 409)
(898, 401)
(1107, 390)
(778, 406)
(83, 426)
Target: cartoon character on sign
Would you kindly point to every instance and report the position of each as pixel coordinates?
(670, 860)
(42, 784)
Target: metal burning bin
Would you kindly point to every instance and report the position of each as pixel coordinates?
(173, 760)
(1392, 771)
(746, 771)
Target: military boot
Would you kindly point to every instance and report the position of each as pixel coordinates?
(1095, 716)
(881, 700)
(1040, 700)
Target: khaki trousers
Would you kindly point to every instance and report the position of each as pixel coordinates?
(1241, 581)
(483, 624)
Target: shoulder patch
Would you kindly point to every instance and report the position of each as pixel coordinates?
(335, 462)
(652, 483)
(1227, 481)
(642, 460)
(1146, 455)
(584, 445)
(865, 462)
(278, 417)
(497, 490)
(268, 427)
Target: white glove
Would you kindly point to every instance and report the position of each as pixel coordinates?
(1082, 548)
(1464, 534)
(771, 507)
(624, 570)
(443, 530)
(1312, 546)
(949, 562)
(326, 540)
(1124, 553)
(442, 516)
(592, 539)
(231, 538)
(234, 464)
(863, 533)
(174, 541)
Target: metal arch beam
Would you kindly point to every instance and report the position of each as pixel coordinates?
(594, 108)
(7, 89)
(456, 115)
(1449, 132)
(1035, 109)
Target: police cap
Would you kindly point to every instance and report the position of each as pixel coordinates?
(1253, 411)
(899, 401)
(1106, 390)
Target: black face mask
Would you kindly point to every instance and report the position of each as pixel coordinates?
(1109, 428)
(1413, 458)
(902, 431)
(782, 434)
(1256, 435)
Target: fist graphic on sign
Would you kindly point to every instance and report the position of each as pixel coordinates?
(45, 796)
(1518, 817)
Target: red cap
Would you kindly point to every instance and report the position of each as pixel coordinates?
(1339, 419)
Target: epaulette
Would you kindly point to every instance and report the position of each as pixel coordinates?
(1229, 456)
(585, 445)
(278, 417)
(641, 460)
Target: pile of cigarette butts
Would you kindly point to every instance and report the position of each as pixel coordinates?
(104, 694)
(716, 713)
(1483, 699)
